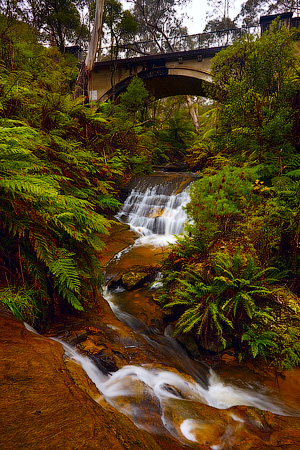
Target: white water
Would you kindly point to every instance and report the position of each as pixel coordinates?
(125, 388)
(155, 216)
(151, 395)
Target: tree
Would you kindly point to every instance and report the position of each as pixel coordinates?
(256, 81)
(222, 276)
(120, 25)
(81, 87)
(50, 195)
(57, 21)
(219, 24)
(218, 16)
(251, 10)
(159, 22)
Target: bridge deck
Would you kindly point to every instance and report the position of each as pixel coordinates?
(159, 58)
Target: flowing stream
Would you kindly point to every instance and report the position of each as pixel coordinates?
(160, 397)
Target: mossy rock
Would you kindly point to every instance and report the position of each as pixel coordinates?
(133, 279)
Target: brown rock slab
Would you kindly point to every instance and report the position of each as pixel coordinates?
(43, 408)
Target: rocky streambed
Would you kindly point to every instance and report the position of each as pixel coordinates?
(49, 402)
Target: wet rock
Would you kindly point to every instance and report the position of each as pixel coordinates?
(132, 279)
(173, 390)
(169, 181)
(120, 237)
(49, 404)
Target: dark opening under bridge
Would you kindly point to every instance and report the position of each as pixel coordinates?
(185, 70)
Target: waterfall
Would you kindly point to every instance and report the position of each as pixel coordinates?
(167, 393)
(156, 210)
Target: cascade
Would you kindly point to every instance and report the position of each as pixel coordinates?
(157, 210)
(157, 398)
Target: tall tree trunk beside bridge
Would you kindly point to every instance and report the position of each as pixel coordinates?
(82, 82)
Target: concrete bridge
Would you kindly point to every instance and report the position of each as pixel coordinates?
(164, 75)
(185, 70)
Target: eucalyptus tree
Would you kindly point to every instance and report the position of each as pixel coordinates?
(119, 26)
(59, 22)
(251, 10)
(12, 8)
(220, 24)
(81, 87)
(160, 22)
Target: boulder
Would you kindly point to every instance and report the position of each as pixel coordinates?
(132, 279)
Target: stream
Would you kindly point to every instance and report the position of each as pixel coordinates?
(171, 395)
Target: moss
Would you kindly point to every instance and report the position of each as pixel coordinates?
(133, 279)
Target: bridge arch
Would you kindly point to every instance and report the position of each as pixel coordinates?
(164, 75)
(163, 82)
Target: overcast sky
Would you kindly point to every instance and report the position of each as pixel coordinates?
(197, 12)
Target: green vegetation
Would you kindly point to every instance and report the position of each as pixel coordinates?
(229, 279)
(232, 280)
(60, 168)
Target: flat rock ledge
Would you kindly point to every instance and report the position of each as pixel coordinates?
(44, 406)
(48, 403)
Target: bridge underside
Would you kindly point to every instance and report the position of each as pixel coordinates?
(166, 86)
(176, 85)
(165, 75)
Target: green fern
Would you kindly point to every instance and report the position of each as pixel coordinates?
(259, 343)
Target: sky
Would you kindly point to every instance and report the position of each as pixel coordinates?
(197, 9)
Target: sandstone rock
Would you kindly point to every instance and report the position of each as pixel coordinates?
(133, 279)
(43, 408)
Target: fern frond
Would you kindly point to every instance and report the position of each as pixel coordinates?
(177, 302)
(33, 185)
(43, 247)
(189, 319)
(65, 272)
(71, 298)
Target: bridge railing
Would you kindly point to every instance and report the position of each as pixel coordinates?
(199, 41)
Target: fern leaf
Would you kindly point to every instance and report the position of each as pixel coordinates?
(65, 272)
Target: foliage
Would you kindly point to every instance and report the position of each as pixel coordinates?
(50, 231)
(158, 22)
(289, 348)
(217, 201)
(257, 81)
(135, 98)
(61, 20)
(259, 344)
(22, 303)
(59, 175)
(120, 24)
(241, 242)
(172, 128)
(223, 296)
(251, 10)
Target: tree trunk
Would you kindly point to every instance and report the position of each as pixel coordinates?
(193, 113)
(82, 82)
